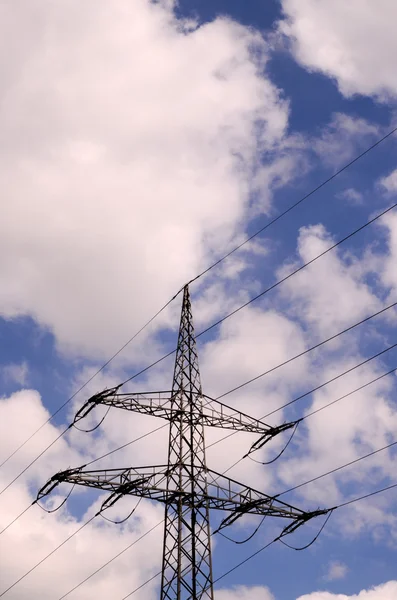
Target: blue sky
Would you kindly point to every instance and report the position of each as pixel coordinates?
(141, 141)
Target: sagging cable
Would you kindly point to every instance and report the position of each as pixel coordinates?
(271, 434)
(269, 462)
(122, 490)
(239, 512)
(58, 507)
(126, 518)
(92, 402)
(238, 542)
(53, 483)
(313, 540)
(304, 518)
(96, 426)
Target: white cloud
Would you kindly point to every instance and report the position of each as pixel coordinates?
(244, 593)
(16, 373)
(343, 137)
(38, 533)
(389, 183)
(332, 293)
(352, 196)
(246, 346)
(386, 591)
(354, 42)
(336, 570)
(21, 415)
(349, 429)
(130, 144)
(389, 271)
(123, 175)
(325, 298)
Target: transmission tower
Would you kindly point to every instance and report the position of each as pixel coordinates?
(187, 488)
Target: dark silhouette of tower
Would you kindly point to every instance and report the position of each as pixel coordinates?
(185, 485)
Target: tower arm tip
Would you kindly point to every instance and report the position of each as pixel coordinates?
(55, 481)
(93, 401)
(273, 432)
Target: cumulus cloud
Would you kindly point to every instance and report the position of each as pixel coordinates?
(332, 292)
(352, 196)
(353, 43)
(389, 271)
(389, 182)
(245, 593)
(386, 591)
(130, 140)
(21, 415)
(343, 137)
(16, 373)
(260, 339)
(336, 570)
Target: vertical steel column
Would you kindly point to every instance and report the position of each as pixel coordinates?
(187, 568)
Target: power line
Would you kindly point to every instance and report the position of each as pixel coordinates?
(248, 558)
(317, 410)
(346, 166)
(142, 585)
(112, 559)
(102, 509)
(282, 493)
(65, 542)
(385, 489)
(312, 413)
(352, 462)
(85, 465)
(290, 208)
(272, 287)
(286, 362)
(217, 323)
(276, 367)
(236, 566)
(49, 554)
(88, 381)
(367, 360)
(35, 459)
(355, 461)
(299, 397)
(240, 308)
(141, 437)
(262, 548)
(308, 263)
(310, 391)
(149, 531)
(214, 581)
(18, 517)
(318, 387)
(227, 572)
(203, 332)
(232, 390)
(241, 563)
(89, 463)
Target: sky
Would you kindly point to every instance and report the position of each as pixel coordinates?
(142, 141)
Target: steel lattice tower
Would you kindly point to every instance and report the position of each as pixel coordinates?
(185, 485)
(187, 543)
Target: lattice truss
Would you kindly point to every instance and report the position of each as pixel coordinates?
(186, 487)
